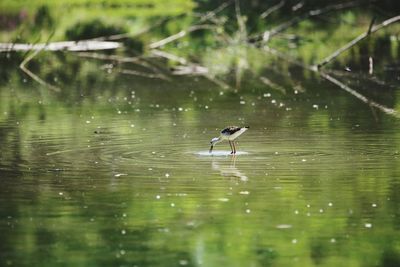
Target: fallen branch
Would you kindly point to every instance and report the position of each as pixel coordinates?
(143, 74)
(272, 9)
(272, 85)
(336, 82)
(192, 28)
(357, 40)
(61, 46)
(179, 35)
(169, 56)
(268, 34)
(190, 68)
(360, 96)
(134, 60)
(109, 57)
(34, 76)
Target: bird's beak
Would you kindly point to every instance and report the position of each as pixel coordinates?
(211, 148)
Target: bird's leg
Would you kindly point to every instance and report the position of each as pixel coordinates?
(234, 147)
(230, 144)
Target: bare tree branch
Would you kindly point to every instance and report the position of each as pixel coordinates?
(335, 81)
(268, 34)
(272, 9)
(357, 40)
(34, 76)
(84, 45)
(179, 35)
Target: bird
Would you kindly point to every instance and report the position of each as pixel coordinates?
(229, 134)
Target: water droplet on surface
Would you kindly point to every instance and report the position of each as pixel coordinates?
(294, 241)
(183, 262)
(158, 197)
(368, 225)
(123, 232)
(284, 226)
(248, 211)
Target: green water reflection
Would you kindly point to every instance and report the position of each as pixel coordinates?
(114, 177)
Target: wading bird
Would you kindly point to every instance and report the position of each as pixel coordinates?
(229, 134)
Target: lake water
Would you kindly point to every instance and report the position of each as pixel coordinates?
(117, 173)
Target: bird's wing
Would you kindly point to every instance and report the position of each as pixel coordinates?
(230, 130)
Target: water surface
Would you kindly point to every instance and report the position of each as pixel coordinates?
(121, 176)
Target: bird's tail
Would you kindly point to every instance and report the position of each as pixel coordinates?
(247, 127)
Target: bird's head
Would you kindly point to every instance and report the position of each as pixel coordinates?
(213, 142)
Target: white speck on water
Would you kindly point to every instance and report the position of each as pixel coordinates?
(132, 125)
(296, 212)
(276, 153)
(124, 215)
(122, 252)
(308, 205)
(223, 199)
(248, 211)
(294, 241)
(244, 192)
(308, 214)
(172, 204)
(374, 205)
(123, 231)
(119, 111)
(368, 225)
(153, 152)
(284, 226)
(150, 169)
(120, 174)
(167, 175)
(88, 122)
(158, 197)
(315, 106)
(180, 109)
(296, 92)
(321, 210)
(60, 193)
(267, 95)
(330, 204)
(333, 240)
(183, 262)
(273, 101)
(221, 93)
(303, 160)
(242, 102)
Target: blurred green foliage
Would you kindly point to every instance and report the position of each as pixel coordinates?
(92, 29)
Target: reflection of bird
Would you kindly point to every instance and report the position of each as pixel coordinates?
(229, 171)
(230, 134)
